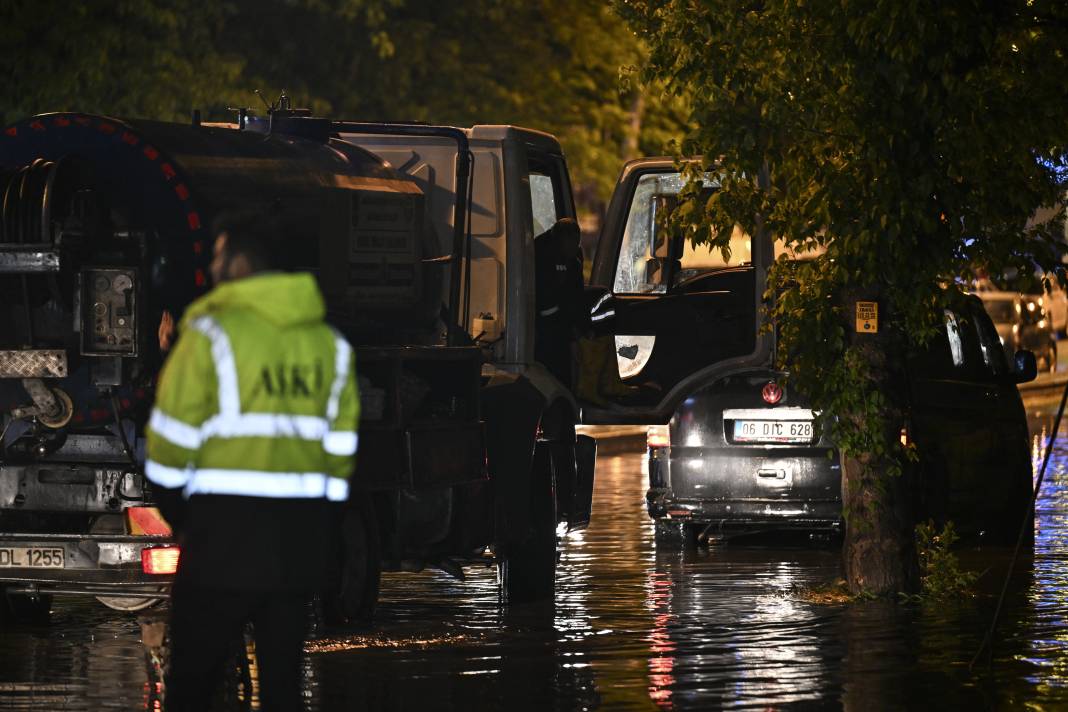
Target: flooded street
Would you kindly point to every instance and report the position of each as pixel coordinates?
(633, 628)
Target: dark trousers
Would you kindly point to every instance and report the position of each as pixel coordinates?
(205, 627)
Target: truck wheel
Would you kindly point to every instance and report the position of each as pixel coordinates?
(129, 604)
(528, 571)
(355, 583)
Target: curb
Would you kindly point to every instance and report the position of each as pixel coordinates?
(1045, 382)
(615, 439)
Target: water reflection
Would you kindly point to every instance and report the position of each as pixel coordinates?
(634, 628)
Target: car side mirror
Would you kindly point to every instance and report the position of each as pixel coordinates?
(1025, 367)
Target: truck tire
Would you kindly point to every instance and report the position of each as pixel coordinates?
(353, 596)
(528, 571)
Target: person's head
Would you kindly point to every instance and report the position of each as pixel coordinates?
(568, 237)
(246, 243)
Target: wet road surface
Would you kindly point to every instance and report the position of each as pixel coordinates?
(632, 628)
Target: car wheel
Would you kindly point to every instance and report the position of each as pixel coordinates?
(528, 571)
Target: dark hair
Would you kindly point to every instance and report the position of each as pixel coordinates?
(256, 234)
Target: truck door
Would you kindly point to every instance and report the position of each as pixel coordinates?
(668, 318)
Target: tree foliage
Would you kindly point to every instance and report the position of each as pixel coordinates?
(911, 141)
(546, 64)
(119, 58)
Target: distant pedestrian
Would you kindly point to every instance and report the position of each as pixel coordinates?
(252, 435)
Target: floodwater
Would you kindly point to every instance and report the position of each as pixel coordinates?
(633, 628)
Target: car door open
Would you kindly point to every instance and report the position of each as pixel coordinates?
(676, 316)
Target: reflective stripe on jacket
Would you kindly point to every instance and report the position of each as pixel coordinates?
(258, 397)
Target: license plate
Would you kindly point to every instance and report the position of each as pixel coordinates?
(773, 431)
(31, 557)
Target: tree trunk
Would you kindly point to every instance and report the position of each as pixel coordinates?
(879, 552)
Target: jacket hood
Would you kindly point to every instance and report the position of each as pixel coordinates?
(281, 298)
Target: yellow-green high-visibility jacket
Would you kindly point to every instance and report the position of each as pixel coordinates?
(258, 397)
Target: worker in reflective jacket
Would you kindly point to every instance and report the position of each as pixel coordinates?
(252, 436)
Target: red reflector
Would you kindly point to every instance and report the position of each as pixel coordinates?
(146, 520)
(37, 126)
(168, 171)
(194, 221)
(13, 131)
(129, 138)
(772, 393)
(199, 278)
(160, 559)
(182, 191)
(151, 153)
(62, 122)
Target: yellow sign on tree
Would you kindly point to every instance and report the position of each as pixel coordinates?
(867, 317)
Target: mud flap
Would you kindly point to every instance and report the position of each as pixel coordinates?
(528, 571)
(582, 497)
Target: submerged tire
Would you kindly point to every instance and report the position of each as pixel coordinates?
(528, 572)
(129, 604)
(355, 583)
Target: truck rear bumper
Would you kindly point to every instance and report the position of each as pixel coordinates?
(93, 565)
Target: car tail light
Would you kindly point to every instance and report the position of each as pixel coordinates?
(772, 393)
(658, 436)
(160, 560)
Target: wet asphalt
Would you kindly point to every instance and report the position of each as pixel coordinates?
(631, 627)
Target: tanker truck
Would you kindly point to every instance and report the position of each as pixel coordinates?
(421, 238)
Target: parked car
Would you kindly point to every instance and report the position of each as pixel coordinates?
(1054, 300)
(1022, 323)
(743, 456)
